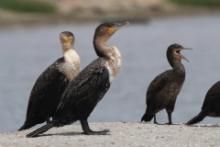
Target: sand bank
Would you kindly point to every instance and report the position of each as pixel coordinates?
(121, 135)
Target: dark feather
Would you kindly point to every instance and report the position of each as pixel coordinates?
(211, 105)
(156, 86)
(82, 95)
(197, 118)
(40, 130)
(162, 93)
(45, 95)
(212, 99)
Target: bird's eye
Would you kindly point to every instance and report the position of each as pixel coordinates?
(178, 51)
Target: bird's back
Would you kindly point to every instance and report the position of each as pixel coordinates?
(83, 93)
(46, 94)
(212, 99)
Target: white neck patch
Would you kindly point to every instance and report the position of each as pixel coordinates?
(71, 66)
(114, 63)
(71, 56)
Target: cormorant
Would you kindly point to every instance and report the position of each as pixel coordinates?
(211, 105)
(82, 94)
(163, 90)
(50, 85)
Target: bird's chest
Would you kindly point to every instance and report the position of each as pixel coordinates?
(113, 68)
(171, 90)
(70, 70)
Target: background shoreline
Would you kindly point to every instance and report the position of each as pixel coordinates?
(83, 12)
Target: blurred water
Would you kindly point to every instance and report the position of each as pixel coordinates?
(26, 51)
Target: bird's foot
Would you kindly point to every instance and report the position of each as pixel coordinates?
(171, 124)
(168, 123)
(102, 132)
(156, 123)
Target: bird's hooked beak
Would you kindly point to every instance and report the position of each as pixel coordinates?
(183, 57)
(121, 24)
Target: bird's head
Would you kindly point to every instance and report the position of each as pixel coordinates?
(174, 53)
(67, 39)
(106, 30)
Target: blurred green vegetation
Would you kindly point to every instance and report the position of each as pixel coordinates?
(29, 6)
(208, 3)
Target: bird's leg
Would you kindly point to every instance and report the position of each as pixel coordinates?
(169, 118)
(155, 119)
(88, 131)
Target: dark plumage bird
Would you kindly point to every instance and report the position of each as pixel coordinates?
(163, 90)
(89, 87)
(50, 85)
(211, 105)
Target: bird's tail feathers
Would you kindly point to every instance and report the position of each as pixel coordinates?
(40, 130)
(147, 117)
(25, 126)
(196, 119)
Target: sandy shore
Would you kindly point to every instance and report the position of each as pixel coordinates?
(122, 134)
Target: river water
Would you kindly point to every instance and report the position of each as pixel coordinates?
(26, 51)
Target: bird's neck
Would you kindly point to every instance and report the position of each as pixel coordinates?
(178, 67)
(104, 50)
(101, 47)
(111, 54)
(71, 65)
(66, 46)
(71, 56)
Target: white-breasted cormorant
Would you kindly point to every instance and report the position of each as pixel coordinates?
(89, 87)
(211, 105)
(163, 90)
(50, 85)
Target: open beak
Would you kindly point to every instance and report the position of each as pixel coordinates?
(183, 57)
